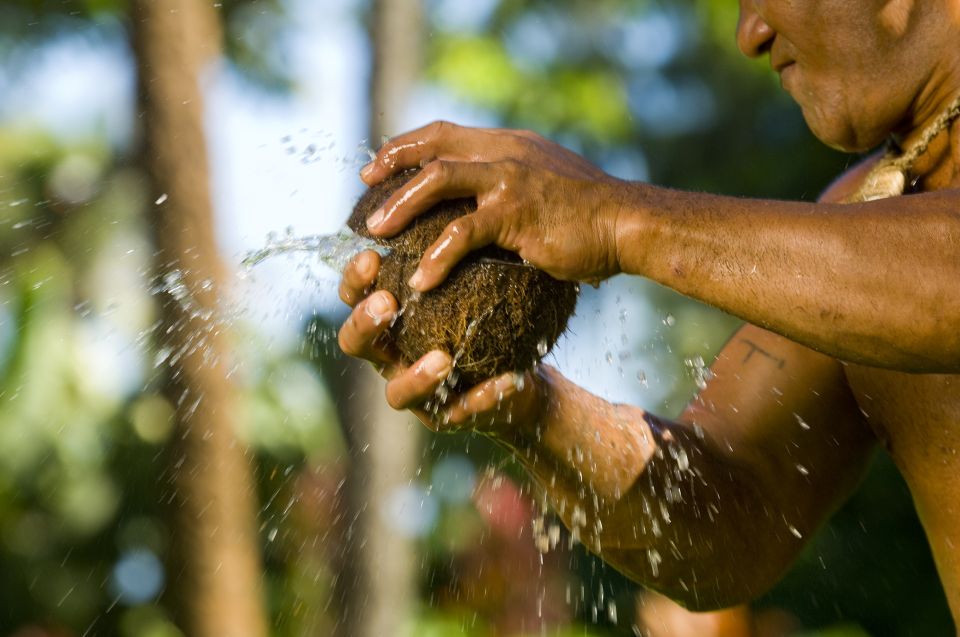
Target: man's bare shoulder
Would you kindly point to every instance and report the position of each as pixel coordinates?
(848, 182)
(916, 417)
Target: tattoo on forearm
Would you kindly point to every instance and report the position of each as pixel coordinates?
(756, 349)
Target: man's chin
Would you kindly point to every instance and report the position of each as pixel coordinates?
(841, 135)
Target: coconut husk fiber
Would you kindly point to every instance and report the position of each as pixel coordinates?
(492, 316)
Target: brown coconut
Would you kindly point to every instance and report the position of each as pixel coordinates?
(493, 314)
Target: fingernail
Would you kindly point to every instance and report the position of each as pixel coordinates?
(416, 280)
(366, 170)
(377, 307)
(364, 264)
(505, 383)
(436, 364)
(375, 219)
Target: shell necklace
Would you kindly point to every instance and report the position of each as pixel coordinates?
(888, 178)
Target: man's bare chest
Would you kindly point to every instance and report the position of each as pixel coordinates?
(916, 417)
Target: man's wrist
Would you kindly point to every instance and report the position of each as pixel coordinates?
(525, 429)
(634, 227)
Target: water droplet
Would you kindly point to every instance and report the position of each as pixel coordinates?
(162, 198)
(579, 517)
(162, 355)
(653, 556)
(669, 320)
(542, 347)
(553, 533)
(803, 470)
(642, 379)
(800, 421)
(698, 370)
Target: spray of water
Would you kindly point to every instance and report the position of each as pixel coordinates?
(334, 250)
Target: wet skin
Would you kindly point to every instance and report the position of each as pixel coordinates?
(852, 310)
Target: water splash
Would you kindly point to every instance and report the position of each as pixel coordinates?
(698, 371)
(335, 250)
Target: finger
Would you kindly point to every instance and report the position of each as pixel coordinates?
(483, 400)
(458, 239)
(369, 320)
(427, 418)
(358, 276)
(439, 180)
(414, 149)
(419, 382)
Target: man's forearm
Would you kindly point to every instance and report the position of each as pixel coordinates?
(871, 283)
(650, 497)
(588, 452)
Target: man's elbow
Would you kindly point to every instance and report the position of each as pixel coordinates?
(703, 584)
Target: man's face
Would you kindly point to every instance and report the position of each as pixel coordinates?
(859, 69)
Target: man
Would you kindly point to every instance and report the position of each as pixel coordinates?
(853, 312)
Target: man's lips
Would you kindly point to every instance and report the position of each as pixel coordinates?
(784, 70)
(781, 65)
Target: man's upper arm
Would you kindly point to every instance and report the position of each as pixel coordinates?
(785, 415)
(787, 410)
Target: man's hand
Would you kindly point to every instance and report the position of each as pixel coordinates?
(499, 407)
(535, 198)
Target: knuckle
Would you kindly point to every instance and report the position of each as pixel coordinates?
(512, 167)
(531, 135)
(523, 140)
(439, 127)
(437, 170)
(462, 229)
(488, 224)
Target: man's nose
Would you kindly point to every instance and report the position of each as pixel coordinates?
(754, 36)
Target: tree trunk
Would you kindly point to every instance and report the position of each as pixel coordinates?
(379, 584)
(215, 574)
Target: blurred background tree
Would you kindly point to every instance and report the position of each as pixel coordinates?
(214, 564)
(648, 90)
